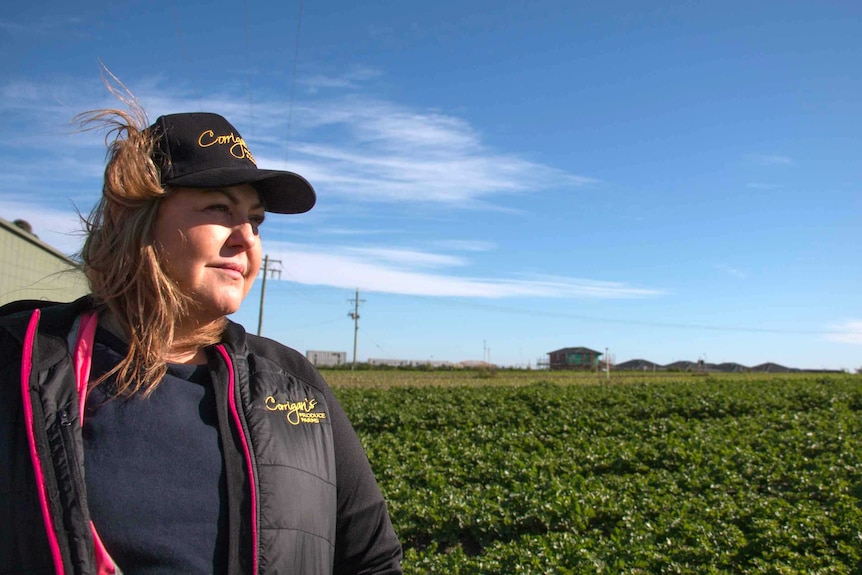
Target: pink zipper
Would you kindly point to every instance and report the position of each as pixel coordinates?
(246, 451)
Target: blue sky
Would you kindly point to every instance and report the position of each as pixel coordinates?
(498, 179)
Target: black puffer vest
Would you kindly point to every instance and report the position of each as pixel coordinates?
(273, 412)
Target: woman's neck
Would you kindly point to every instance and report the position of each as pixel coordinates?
(186, 346)
(110, 323)
(190, 340)
(181, 355)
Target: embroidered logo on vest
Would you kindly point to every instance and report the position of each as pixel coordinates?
(296, 412)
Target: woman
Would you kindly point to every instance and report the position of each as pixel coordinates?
(142, 431)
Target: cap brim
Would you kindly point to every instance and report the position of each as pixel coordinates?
(282, 192)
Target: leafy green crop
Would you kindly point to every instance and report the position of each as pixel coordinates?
(735, 475)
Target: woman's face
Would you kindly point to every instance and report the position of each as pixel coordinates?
(209, 244)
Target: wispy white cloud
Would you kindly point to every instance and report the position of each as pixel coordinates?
(563, 286)
(389, 126)
(348, 268)
(846, 332)
(354, 78)
(405, 257)
(42, 26)
(761, 186)
(353, 148)
(457, 181)
(771, 159)
(337, 231)
(466, 245)
(373, 150)
(724, 268)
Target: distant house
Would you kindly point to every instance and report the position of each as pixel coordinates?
(326, 358)
(574, 358)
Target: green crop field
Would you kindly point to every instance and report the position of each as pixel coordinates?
(540, 472)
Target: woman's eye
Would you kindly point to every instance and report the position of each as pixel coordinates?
(221, 208)
(255, 222)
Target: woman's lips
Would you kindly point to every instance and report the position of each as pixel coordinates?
(235, 270)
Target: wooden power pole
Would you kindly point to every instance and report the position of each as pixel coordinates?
(266, 270)
(354, 315)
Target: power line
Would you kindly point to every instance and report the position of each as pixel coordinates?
(292, 83)
(454, 302)
(377, 345)
(184, 51)
(292, 284)
(248, 67)
(610, 320)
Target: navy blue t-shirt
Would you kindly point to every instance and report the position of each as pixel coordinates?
(154, 470)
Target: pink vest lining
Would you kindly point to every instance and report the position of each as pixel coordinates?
(246, 450)
(82, 357)
(82, 360)
(26, 369)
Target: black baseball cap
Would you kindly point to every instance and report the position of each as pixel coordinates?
(203, 150)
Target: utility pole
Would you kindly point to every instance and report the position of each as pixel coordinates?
(266, 270)
(354, 315)
(608, 364)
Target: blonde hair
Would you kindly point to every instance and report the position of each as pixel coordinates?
(122, 263)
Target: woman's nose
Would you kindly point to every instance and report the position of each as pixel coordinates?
(244, 235)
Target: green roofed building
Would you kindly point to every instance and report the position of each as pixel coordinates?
(34, 270)
(574, 358)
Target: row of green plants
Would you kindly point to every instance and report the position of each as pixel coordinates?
(694, 475)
